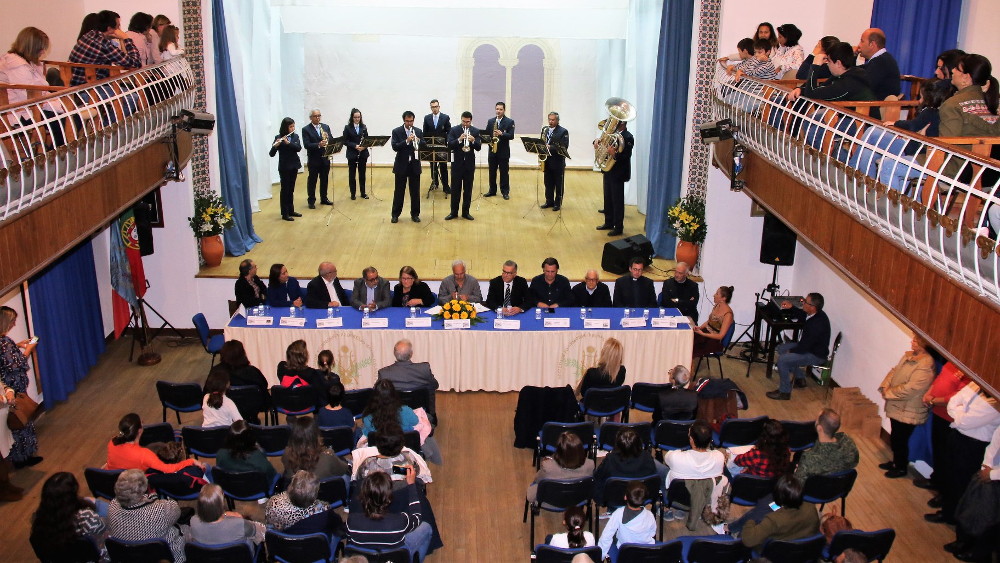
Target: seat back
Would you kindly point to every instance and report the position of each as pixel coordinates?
(875, 545)
(672, 434)
(398, 555)
(669, 552)
(291, 548)
(411, 439)
(204, 442)
(183, 397)
(159, 432)
(821, 489)
(606, 401)
(102, 481)
(801, 434)
(614, 490)
(748, 489)
(741, 431)
(250, 400)
(201, 325)
(334, 491)
(646, 396)
(608, 433)
(293, 400)
(805, 550)
(415, 398)
(243, 485)
(178, 486)
(272, 439)
(122, 551)
(355, 400)
(549, 554)
(717, 550)
(677, 494)
(726, 339)
(559, 494)
(551, 430)
(237, 552)
(338, 438)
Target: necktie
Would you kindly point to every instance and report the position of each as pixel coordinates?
(506, 296)
(435, 122)
(357, 129)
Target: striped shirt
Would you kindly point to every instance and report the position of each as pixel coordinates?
(387, 532)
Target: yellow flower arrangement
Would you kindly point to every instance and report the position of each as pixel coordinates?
(456, 309)
(686, 220)
(211, 214)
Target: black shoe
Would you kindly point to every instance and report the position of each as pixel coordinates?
(490, 194)
(969, 555)
(545, 206)
(312, 206)
(956, 546)
(326, 202)
(469, 217)
(450, 216)
(778, 395)
(506, 196)
(604, 227)
(887, 465)
(936, 518)
(799, 383)
(895, 473)
(33, 460)
(286, 218)
(935, 502)
(353, 196)
(294, 214)
(364, 196)
(615, 233)
(600, 211)
(556, 207)
(924, 483)
(415, 218)
(395, 220)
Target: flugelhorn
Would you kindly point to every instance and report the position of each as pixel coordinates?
(619, 110)
(545, 155)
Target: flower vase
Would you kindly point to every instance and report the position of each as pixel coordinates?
(687, 252)
(212, 250)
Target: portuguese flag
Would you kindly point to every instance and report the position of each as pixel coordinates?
(127, 277)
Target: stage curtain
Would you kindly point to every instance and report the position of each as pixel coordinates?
(666, 167)
(240, 237)
(66, 316)
(911, 38)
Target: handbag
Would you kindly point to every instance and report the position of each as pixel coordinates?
(23, 412)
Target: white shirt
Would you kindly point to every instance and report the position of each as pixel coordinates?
(562, 540)
(330, 288)
(225, 415)
(974, 416)
(992, 457)
(692, 464)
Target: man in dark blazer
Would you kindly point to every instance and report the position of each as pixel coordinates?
(357, 156)
(325, 290)
(677, 402)
(500, 128)
(406, 375)
(810, 350)
(592, 292)
(406, 141)
(881, 66)
(437, 124)
(681, 293)
(634, 289)
(509, 291)
(555, 165)
(319, 165)
(463, 142)
(614, 183)
(371, 290)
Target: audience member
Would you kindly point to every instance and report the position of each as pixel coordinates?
(790, 521)
(386, 450)
(592, 292)
(324, 291)
(250, 290)
(140, 29)
(810, 65)
(509, 292)
(977, 96)
(631, 523)
(14, 365)
(569, 461)
(8, 491)
(407, 375)
(550, 289)
(848, 82)
(62, 518)
(23, 65)
(410, 291)
(234, 362)
(946, 63)
(384, 409)
(305, 451)
(293, 371)
(833, 452)
(744, 51)
(628, 460)
(297, 510)
(634, 289)
(881, 66)
(124, 451)
(574, 537)
(766, 32)
(759, 65)
(159, 22)
(769, 457)
(90, 22)
(699, 462)
(373, 526)
(608, 362)
(811, 349)
(334, 414)
(948, 382)
(789, 55)
(169, 41)
(282, 289)
(679, 401)
(371, 290)
(136, 515)
(107, 44)
(459, 285)
(976, 533)
(216, 408)
(213, 525)
(903, 390)
(681, 293)
(240, 452)
(709, 335)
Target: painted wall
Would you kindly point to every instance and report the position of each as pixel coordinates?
(977, 31)
(62, 31)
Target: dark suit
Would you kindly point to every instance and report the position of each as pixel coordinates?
(288, 168)
(631, 292)
(883, 76)
(500, 160)
(279, 295)
(318, 295)
(614, 184)
(677, 403)
(520, 294)
(246, 295)
(319, 165)
(383, 297)
(463, 167)
(408, 376)
(356, 160)
(443, 126)
(683, 296)
(600, 298)
(555, 166)
(406, 167)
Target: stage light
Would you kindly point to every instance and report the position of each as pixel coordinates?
(717, 131)
(194, 122)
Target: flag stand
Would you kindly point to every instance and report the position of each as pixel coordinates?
(140, 334)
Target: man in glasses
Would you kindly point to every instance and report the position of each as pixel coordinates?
(811, 349)
(592, 292)
(509, 292)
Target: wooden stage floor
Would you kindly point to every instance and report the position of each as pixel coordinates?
(356, 234)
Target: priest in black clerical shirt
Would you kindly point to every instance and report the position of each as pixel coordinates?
(681, 293)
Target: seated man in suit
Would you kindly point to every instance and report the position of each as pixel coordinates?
(592, 292)
(408, 376)
(550, 289)
(325, 290)
(459, 285)
(679, 402)
(681, 293)
(371, 290)
(509, 292)
(634, 289)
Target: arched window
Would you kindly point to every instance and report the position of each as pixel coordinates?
(528, 89)
(489, 83)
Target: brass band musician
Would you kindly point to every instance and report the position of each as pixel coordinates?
(555, 135)
(501, 131)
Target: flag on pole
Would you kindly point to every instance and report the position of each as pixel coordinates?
(127, 277)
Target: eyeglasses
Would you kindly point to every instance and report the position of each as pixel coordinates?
(591, 279)
(506, 273)
(406, 277)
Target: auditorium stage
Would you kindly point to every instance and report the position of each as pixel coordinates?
(355, 234)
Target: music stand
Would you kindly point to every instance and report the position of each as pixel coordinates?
(485, 138)
(372, 142)
(536, 146)
(561, 188)
(333, 147)
(435, 151)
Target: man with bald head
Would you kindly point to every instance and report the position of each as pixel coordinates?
(325, 290)
(592, 292)
(681, 293)
(882, 69)
(407, 375)
(460, 285)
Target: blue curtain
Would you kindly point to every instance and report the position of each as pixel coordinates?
(917, 32)
(667, 142)
(240, 237)
(66, 316)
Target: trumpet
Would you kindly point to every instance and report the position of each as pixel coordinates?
(495, 142)
(543, 157)
(465, 140)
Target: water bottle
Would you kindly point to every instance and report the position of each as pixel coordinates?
(628, 312)
(364, 313)
(413, 312)
(645, 314)
(329, 312)
(500, 313)
(663, 312)
(538, 313)
(291, 312)
(583, 313)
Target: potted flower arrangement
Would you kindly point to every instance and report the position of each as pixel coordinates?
(211, 217)
(686, 221)
(456, 309)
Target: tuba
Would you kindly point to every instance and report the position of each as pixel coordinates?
(543, 156)
(619, 110)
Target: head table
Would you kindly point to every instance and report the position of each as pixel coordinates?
(477, 358)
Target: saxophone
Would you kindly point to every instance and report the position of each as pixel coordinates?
(543, 156)
(495, 142)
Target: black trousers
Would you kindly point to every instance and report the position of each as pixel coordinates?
(503, 165)
(899, 440)
(287, 191)
(400, 192)
(614, 202)
(440, 170)
(965, 456)
(357, 167)
(462, 182)
(939, 444)
(554, 185)
(321, 170)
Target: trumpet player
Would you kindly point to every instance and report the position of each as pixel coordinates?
(614, 183)
(463, 142)
(406, 141)
(555, 135)
(315, 138)
(501, 131)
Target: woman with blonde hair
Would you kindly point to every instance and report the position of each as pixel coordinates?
(169, 40)
(22, 64)
(609, 371)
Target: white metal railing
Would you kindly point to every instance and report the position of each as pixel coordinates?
(50, 143)
(912, 189)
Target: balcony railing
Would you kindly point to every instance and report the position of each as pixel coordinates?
(917, 191)
(52, 142)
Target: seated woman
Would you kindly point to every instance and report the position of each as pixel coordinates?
(124, 451)
(233, 359)
(410, 291)
(791, 521)
(136, 515)
(282, 289)
(297, 510)
(293, 371)
(574, 537)
(628, 459)
(609, 371)
(305, 451)
(385, 408)
(62, 518)
(769, 457)
(333, 414)
(325, 376)
(385, 451)
(216, 408)
(212, 524)
(708, 337)
(372, 526)
(23, 65)
(240, 452)
(569, 461)
(250, 290)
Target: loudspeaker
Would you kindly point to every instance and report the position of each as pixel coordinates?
(777, 242)
(618, 253)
